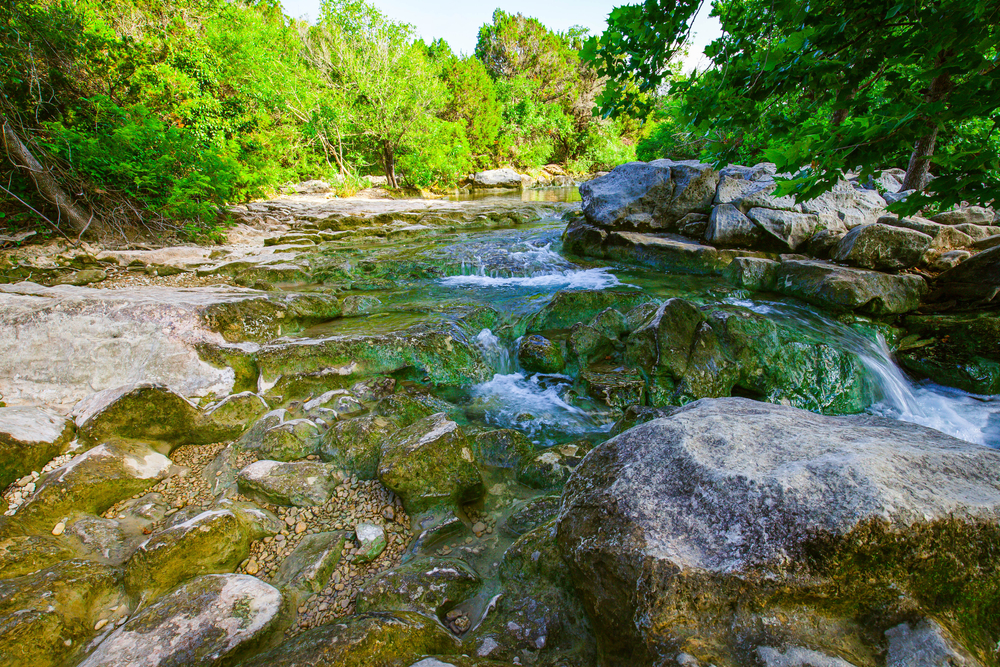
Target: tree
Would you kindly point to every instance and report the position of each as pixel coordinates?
(386, 81)
(845, 84)
(473, 101)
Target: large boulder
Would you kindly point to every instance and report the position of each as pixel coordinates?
(213, 541)
(843, 288)
(90, 483)
(974, 281)
(496, 178)
(430, 463)
(882, 247)
(539, 354)
(733, 525)
(727, 226)
(30, 438)
(150, 334)
(649, 196)
(432, 586)
(204, 622)
(48, 618)
(976, 215)
(299, 484)
(787, 229)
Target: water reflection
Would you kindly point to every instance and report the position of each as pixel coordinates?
(560, 194)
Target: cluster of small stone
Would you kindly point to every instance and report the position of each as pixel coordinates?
(119, 277)
(353, 502)
(20, 490)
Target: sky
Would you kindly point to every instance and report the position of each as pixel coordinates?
(458, 21)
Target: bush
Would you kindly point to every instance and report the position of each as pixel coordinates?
(439, 155)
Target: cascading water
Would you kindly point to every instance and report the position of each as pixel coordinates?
(533, 267)
(952, 411)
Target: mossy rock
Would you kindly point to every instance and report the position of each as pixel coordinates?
(530, 515)
(291, 440)
(214, 541)
(386, 639)
(567, 308)
(551, 467)
(356, 444)
(430, 463)
(47, 618)
(297, 484)
(610, 323)
(432, 586)
(236, 413)
(207, 621)
(617, 387)
(30, 438)
(267, 317)
(502, 448)
(955, 350)
(91, 483)
(402, 410)
(21, 555)
(536, 615)
(538, 354)
(309, 567)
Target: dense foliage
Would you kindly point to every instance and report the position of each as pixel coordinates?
(164, 111)
(829, 86)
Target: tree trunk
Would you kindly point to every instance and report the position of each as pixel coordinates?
(923, 150)
(44, 182)
(389, 162)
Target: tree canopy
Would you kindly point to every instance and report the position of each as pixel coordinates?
(841, 85)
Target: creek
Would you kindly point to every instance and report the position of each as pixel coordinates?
(517, 270)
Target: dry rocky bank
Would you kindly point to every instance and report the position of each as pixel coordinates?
(200, 474)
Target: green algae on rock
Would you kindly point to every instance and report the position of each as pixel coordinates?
(30, 438)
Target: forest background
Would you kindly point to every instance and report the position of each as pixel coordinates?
(159, 113)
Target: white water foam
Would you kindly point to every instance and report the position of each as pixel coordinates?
(579, 279)
(536, 267)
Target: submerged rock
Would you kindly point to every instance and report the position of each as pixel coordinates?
(203, 622)
(734, 524)
(388, 639)
(539, 354)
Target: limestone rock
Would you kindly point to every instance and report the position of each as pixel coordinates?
(976, 215)
(496, 178)
(312, 187)
(551, 467)
(649, 196)
(430, 463)
(727, 226)
(925, 644)
(29, 438)
(298, 484)
(669, 528)
(759, 275)
(539, 354)
(105, 538)
(878, 246)
(502, 448)
(787, 229)
(355, 445)
(389, 639)
(842, 288)
(308, 568)
(213, 541)
(371, 541)
(91, 483)
(203, 622)
(614, 386)
(428, 585)
(47, 618)
(24, 554)
(402, 410)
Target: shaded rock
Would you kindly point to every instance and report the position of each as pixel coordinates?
(878, 246)
(616, 387)
(502, 448)
(536, 618)
(692, 225)
(759, 275)
(388, 639)
(21, 555)
(977, 232)
(91, 483)
(925, 644)
(976, 215)
(639, 414)
(539, 354)
(823, 243)
(787, 229)
(47, 618)
(105, 538)
(656, 195)
(797, 656)
(213, 541)
(672, 528)
(496, 178)
(432, 586)
(30, 438)
(551, 467)
(950, 260)
(299, 484)
(355, 444)
(610, 323)
(842, 288)
(148, 413)
(668, 253)
(430, 463)
(402, 410)
(203, 622)
(955, 350)
(567, 308)
(530, 515)
(308, 568)
(727, 226)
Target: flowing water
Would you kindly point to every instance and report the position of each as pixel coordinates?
(517, 270)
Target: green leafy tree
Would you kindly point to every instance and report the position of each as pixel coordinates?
(842, 84)
(472, 101)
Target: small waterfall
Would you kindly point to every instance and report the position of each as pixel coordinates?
(525, 265)
(952, 411)
(495, 353)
